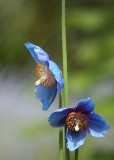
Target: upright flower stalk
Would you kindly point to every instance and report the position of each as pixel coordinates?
(61, 157)
(64, 52)
(65, 74)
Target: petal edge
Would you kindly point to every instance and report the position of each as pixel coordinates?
(46, 95)
(85, 105)
(97, 125)
(58, 118)
(37, 53)
(57, 73)
(75, 139)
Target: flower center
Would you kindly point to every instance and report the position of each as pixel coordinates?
(76, 121)
(44, 75)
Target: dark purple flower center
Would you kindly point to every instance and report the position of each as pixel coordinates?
(76, 121)
(44, 75)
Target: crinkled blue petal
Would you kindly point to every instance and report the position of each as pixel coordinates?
(46, 95)
(37, 53)
(57, 73)
(97, 125)
(85, 106)
(75, 139)
(57, 118)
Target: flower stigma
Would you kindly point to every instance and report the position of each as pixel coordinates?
(38, 82)
(44, 75)
(76, 121)
(77, 127)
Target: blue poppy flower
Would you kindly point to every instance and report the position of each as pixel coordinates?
(79, 121)
(49, 76)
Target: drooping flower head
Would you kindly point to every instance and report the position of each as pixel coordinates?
(79, 121)
(48, 74)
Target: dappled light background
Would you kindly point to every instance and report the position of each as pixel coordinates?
(24, 131)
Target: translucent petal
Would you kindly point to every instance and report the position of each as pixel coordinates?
(75, 139)
(46, 95)
(58, 75)
(85, 106)
(97, 125)
(57, 118)
(37, 53)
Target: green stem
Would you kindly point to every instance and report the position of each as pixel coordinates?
(67, 152)
(65, 74)
(60, 134)
(61, 144)
(64, 51)
(76, 154)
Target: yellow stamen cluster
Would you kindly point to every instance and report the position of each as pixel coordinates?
(44, 75)
(76, 121)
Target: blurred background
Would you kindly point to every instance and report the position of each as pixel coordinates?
(24, 131)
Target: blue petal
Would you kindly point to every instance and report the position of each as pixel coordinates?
(57, 73)
(75, 139)
(46, 95)
(85, 106)
(57, 118)
(97, 125)
(37, 53)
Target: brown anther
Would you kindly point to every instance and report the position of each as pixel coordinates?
(44, 75)
(76, 121)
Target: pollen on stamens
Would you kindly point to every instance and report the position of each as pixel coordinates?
(44, 75)
(76, 121)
